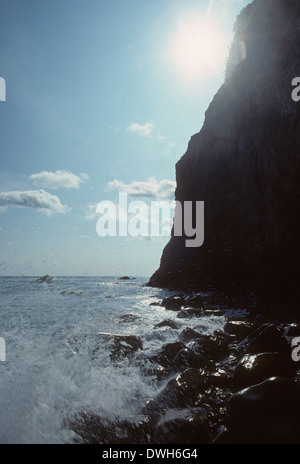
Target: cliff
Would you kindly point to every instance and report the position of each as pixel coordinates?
(245, 165)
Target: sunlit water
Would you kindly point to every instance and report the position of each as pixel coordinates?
(55, 364)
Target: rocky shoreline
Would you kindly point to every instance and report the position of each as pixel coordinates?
(239, 385)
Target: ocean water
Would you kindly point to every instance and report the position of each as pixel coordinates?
(55, 365)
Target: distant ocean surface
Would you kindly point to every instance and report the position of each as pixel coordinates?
(51, 373)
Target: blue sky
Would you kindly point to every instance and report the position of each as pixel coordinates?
(102, 97)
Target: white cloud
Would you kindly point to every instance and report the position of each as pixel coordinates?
(145, 130)
(90, 211)
(41, 200)
(57, 179)
(163, 190)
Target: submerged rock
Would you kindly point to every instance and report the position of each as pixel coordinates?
(128, 318)
(182, 426)
(91, 428)
(71, 292)
(167, 323)
(45, 278)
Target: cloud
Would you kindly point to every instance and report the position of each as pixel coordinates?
(41, 200)
(163, 190)
(57, 179)
(90, 211)
(145, 130)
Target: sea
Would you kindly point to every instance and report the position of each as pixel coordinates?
(53, 365)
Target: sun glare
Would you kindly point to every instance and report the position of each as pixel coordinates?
(199, 48)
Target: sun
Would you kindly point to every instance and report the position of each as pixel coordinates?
(198, 48)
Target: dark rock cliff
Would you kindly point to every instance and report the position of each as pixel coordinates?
(245, 165)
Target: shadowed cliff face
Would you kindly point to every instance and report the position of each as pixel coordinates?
(245, 165)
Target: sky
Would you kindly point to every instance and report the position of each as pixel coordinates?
(99, 98)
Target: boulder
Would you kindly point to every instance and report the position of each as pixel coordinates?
(189, 334)
(180, 392)
(121, 345)
(195, 301)
(214, 347)
(255, 368)
(266, 413)
(241, 329)
(167, 323)
(187, 313)
(167, 353)
(186, 358)
(266, 338)
(173, 303)
(46, 278)
(292, 330)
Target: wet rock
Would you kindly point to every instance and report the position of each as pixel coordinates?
(241, 329)
(121, 345)
(46, 278)
(173, 303)
(167, 323)
(195, 301)
(255, 368)
(221, 378)
(180, 392)
(187, 313)
(188, 334)
(167, 353)
(213, 312)
(124, 278)
(266, 338)
(229, 338)
(186, 358)
(292, 330)
(214, 347)
(183, 426)
(159, 373)
(266, 413)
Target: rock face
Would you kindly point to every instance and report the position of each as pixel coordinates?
(245, 165)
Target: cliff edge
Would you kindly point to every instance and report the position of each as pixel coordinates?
(245, 165)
